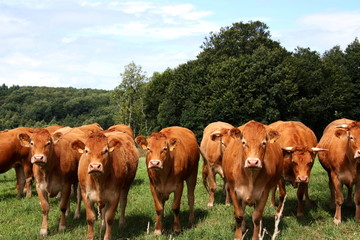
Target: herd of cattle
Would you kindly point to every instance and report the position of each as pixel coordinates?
(253, 160)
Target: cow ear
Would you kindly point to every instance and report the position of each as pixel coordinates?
(78, 145)
(56, 137)
(272, 136)
(216, 136)
(340, 133)
(235, 133)
(114, 144)
(172, 143)
(141, 141)
(24, 139)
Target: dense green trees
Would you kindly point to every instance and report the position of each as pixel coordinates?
(43, 106)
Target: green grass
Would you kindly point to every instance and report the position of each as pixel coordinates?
(21, 218)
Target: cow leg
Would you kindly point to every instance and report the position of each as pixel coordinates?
(332, 192)
(272, 200)
(282, 194)
(20, 179)
(159, 207)
(78, 202)
(45, 207)
(176, 206)
(238, 214)
(357, 200)
(90, 215)
(349, 196)
(258, 213)
(212, 187)
(109, 215)
(339, 198)
(226, 192)
(300, 194)
(29, 178)
(307, 198)
(123, 203)
(65, 200)
(191, 183)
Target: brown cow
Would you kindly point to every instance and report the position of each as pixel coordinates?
(172, 157)
(342, 139)
(252, 165)
(121, 128)
(14, 155)
(216, 137)
(55, 168)
(107, 168)
(299, 145)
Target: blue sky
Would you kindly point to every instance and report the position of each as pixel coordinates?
(87, 43)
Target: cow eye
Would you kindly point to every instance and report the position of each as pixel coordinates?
(263, 144)
(310, 164)
(148, 148)
(106, 151)
(351, 137)
(244, 143)
(294, 163)
(165, 148)
(86, 151)
(32, 143)
(47, 143)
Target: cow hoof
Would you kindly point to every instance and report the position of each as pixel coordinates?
(77, 216)
(337, 221)
(210, 205)
(157, 232)
(43, 232)
(62, 228)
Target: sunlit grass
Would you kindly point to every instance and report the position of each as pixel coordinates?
(21, 218)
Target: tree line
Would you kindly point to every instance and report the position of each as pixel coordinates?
(240, 74)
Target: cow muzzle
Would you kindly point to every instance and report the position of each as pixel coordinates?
(155, 164)
(39, 159)
(253, 163)
(302, 179)
(95, 168)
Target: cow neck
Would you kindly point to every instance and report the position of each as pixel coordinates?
(350, 155)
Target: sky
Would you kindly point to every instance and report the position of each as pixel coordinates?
(88, 43)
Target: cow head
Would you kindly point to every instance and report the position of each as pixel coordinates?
(222, 136)
(351, 132)
(158, 148)
(302, 159)
(254, 137)
(40, 143)
(96, 151)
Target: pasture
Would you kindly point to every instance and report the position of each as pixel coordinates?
(21, 218)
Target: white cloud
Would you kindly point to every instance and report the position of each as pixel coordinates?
(19, 59)
(322, 31)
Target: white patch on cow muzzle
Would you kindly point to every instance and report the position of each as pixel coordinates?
(39, 159)
(253, 163)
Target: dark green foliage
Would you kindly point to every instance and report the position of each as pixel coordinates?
(43, 106)
(242, 74)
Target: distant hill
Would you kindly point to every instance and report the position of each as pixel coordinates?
(44, 106)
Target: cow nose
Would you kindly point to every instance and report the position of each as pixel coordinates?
(303, 179)
(253, 162)
(95, 167)
(38, 158)
(154, 164)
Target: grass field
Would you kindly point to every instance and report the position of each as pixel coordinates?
(21, 218)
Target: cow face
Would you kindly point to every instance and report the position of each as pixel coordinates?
(302, 160)
(158, 148)
(255, 136)
(351, 132)
(223, 137)
(41, 145)
(97, 152)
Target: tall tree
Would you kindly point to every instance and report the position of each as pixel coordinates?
(129, 97)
